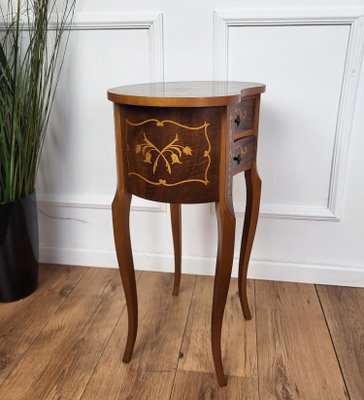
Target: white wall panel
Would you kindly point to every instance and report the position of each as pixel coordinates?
(303, 68)
(80, 155)
(310, 155)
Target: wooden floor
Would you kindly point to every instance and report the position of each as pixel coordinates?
(66, 341)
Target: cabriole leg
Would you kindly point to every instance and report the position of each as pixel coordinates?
(121, 212)
(177, 244)
(225, 254)
(253, 189)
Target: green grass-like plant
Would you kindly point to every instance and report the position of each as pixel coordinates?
(31, 56)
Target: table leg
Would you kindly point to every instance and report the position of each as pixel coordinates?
(225, 254)
(121, 211)
(253, 188)
(177, 244)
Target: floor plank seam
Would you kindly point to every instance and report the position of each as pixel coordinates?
(107, 343)
(256, 334)
(43, 327)
(183, 336)
(333, 343)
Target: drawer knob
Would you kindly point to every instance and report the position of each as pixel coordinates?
(241, 152)
(237, 120)
(238, 158)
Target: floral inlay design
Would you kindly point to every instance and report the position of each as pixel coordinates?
(170, 154)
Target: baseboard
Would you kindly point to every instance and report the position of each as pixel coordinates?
(269, 270)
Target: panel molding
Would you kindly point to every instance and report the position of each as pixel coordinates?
(296, 212)
(93, 202)
(258, 269)
(353, 17)
(152, 21)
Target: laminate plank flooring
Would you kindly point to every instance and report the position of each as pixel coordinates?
(66, 340)
(238, 336)
(204, 386)
(62, 357)
(296, 358)
(22, 321)
(162, 320)
(344, 312)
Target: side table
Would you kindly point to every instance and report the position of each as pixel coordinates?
(182, 142)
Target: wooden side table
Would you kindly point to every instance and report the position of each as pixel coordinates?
(183, 142)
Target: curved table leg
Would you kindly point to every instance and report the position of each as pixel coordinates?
(177, 244)
(225, 254)
(253, 189)
(121, 211)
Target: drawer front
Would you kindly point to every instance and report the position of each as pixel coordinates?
(172, 154)
(243, 154)
(242, 118)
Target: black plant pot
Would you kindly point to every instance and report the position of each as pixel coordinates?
(19, 248)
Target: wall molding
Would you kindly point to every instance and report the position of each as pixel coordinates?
(283, 211)
(152, 21)
(353, 17)
(259, 269)
(96, 202)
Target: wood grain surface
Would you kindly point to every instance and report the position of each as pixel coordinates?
(203, 386)
(21, 322)
(172, 155)
(176, 222)
(162, 319)
(66, 341)
(175, 144)
(344, 311)
(296, 358)
(243, 116)
(63, 356)
(244, 154)
(238, 337)
(184, 94)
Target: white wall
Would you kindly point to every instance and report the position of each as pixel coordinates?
(311, 134)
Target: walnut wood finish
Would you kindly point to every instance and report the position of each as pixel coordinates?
(120, 212)
(253, 188)
(225, 251)
(244, 154)
(243, 116)
(172, 154)
(225, 254)
(184, 94)
(183, 142)
(177, 244)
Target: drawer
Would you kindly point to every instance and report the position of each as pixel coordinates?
(172, 154)
(243, 154)
(242, 118)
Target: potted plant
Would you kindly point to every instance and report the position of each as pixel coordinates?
(31, 57)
